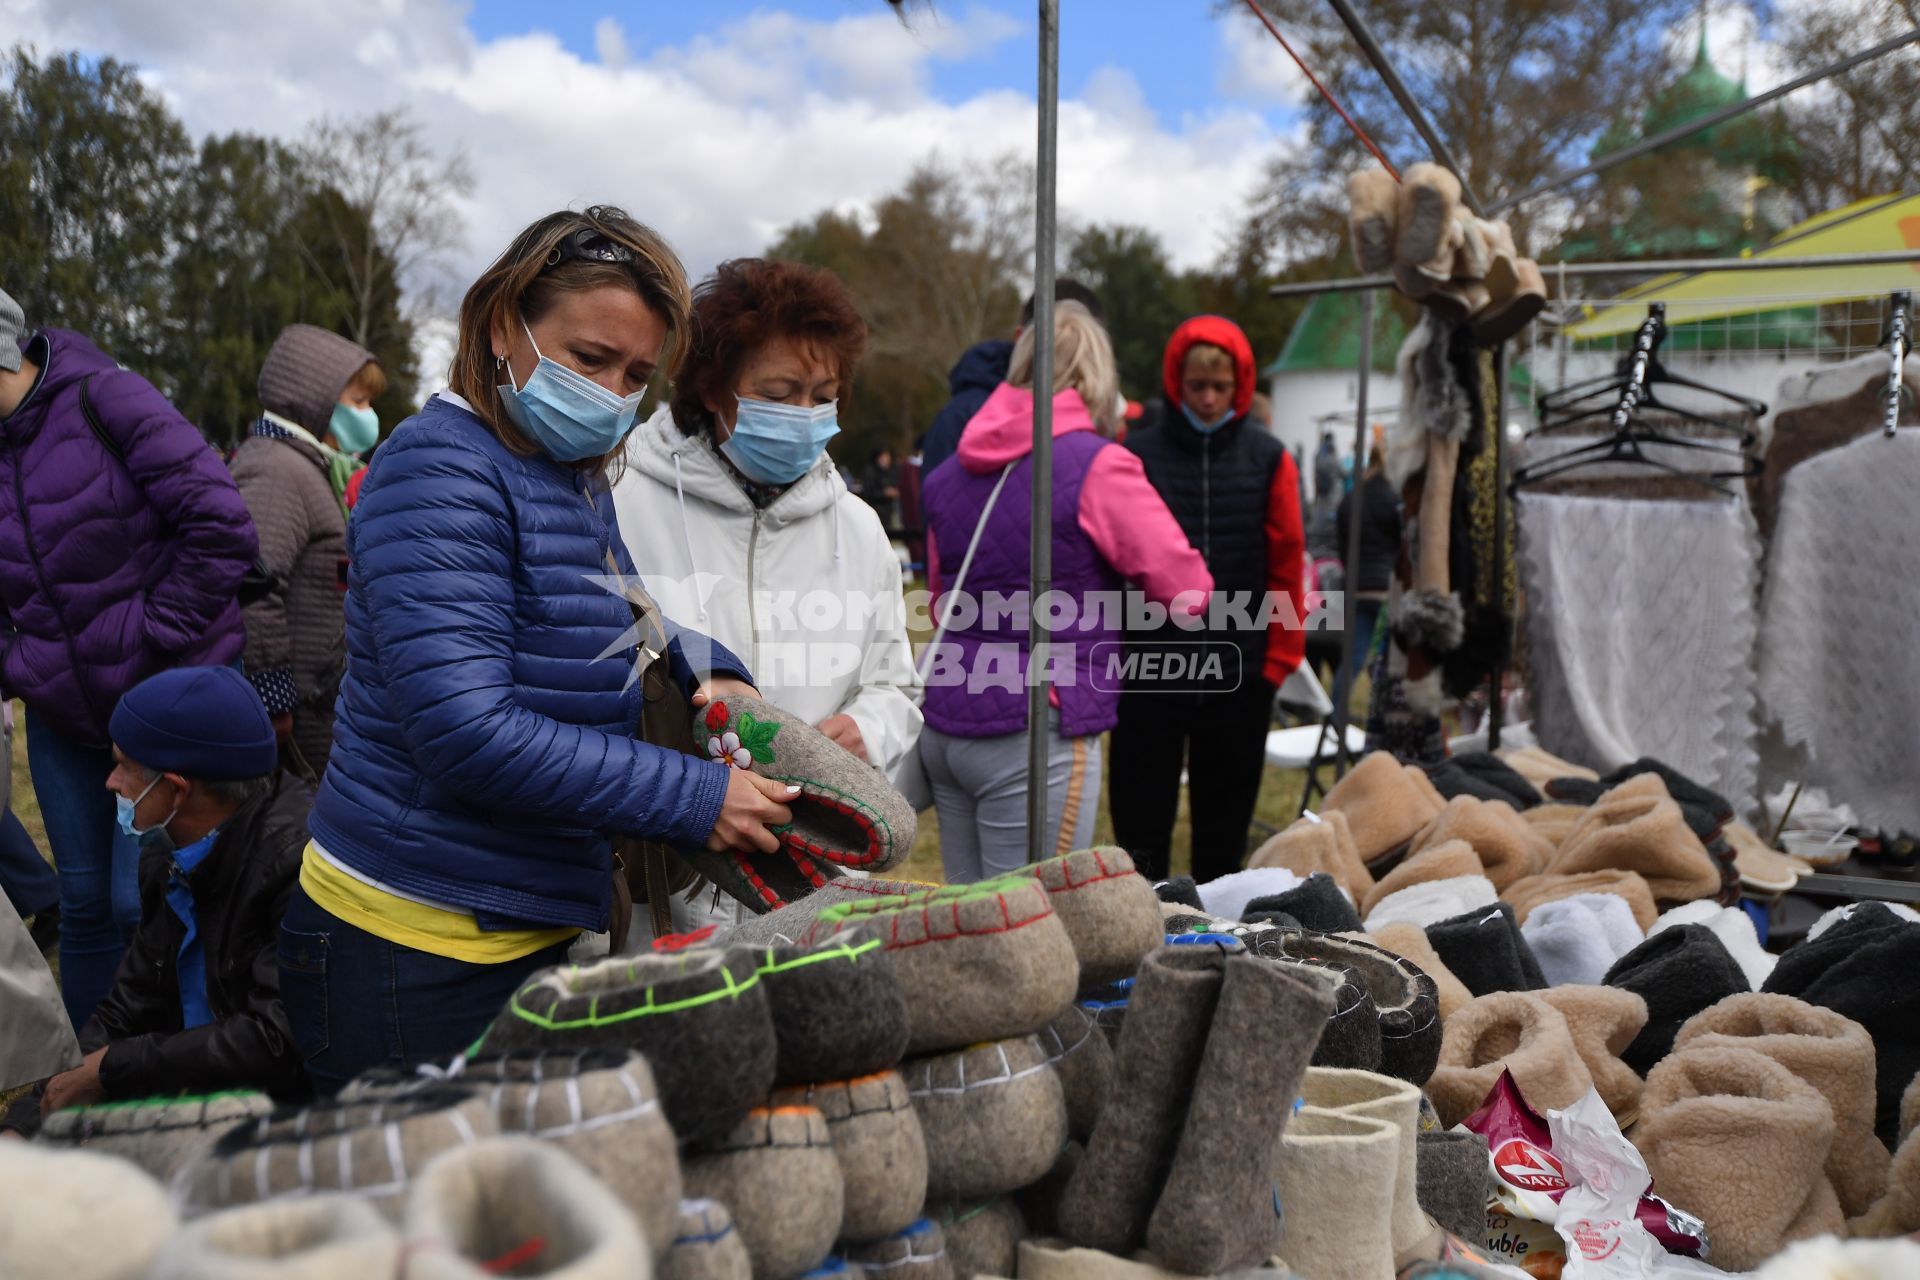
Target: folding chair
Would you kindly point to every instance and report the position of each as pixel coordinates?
(1308, 746)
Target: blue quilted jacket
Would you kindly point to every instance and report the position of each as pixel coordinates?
(483, 751)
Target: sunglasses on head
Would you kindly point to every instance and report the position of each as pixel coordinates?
(588, 244)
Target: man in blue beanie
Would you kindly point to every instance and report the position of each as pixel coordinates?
(195, 1006)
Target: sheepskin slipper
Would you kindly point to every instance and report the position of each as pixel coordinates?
(837, 1008)
(1897, 1213)
(706, 1245)
(1109, 910)
(516, 1204)
(1604, 1021)
(1404, 998)
(1506, 846)
(1429, 198)
(1645, 834)
(1539, 767)
(978, 962)
(1179, 891)
(1385, 804)
(1734, 927)
(777, 1173)
(1409, 942)
(1714, 1110)
(1226, 897)
(1577, 939)
(1432, 902)
(995, 1117)
(1486, 775)
(1449, 860)
(1831, 1053)
(1508, 1031)
(917, 1253)
(1678, 973)
(1083, 1059)
(982, 1239)
(700, 1016)
(1486, 951)
(1373, 218)
(1761, 867)
(1335, 1175)
(68, 1214)
(311, 1238)
(1378, 1097)
(1318, 843)
(1631, 886)
(796, 921)
(161, 1135)
(1678, 785)
(1317, 903)
(1553, 822)
(881, 1148)
(1452, 1181)
(374, 1149)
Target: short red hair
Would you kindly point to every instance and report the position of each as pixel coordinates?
(750, 301)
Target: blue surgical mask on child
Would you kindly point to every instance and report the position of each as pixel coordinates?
(568, 414)
(1201, 425)
(355, 430)
(775, 443)
(124, 809)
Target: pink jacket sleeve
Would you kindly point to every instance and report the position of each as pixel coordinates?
(1129, 523)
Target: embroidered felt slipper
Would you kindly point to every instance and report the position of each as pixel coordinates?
(1373, 217)
(311, 1238)
(517, 1206)
(1485, 950)
(881, 1149)
(1577, 939)
(1604, 1021)
(1385, 803)
(1317, 903)
(994, 1116)
(1453, 1168)
(979, 962)
(1404, 999)
(1107, 1006)
(699, 1015)
(917, 1253)
(67, 1214)
(1107, 907)
(1507, 847)
(1678, 973)
(706, 1245)
(1631, 886)
(1445, 860)
(1351, 1037)
(777, 1173)
(1378, 1097)
(1323, 843)
(795, 922)
(1334, 1173)
(161, 1135)
(1083, 1059)
(837, 1007)
(1507, 1031)
(1734, 927)
(983, 1239)
(1409, 942)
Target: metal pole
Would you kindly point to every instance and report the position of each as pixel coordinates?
(1351, 565)
(1040, 571)
(1878, 258)
(1397, 87)
(1496, 714)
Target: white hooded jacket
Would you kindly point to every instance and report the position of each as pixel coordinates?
(807, 590)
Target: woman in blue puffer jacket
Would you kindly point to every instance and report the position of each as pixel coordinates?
(484, 751)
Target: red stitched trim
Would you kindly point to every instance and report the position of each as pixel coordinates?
(515, 1256)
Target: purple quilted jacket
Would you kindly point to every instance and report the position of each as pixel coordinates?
(110, 570)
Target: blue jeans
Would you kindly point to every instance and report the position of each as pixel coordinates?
(98, 864)
(1364, 618)
(356, 1001)
(26, 879)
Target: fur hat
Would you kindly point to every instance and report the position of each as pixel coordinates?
(1831, 1053)
(917, 1253)
(1226, 897)
(1604, 1021)
(68, 1214)
(1452, 1180)
(1527, 894)
(1448, 860)
(310, 1238)
(161, 1135)
(1335, 1173)
(1485, 775)
(706, 1245)
(1506, 1031)
(1678, 973)
(978, 962)
(880, 1146)
(994, 1115)
(1321, 843)
(837, 1007)
(1554, 822)
(1577, 939)
(1734, 927)
(1540, 767)
(1736, 1140)
(1433, 901)
(1083, 1060)
(1409, 942)
(1403, 997)
(1378, 1097)
(982, 1239)
(700, 1016)
(1645, 834)
(513, 1203)
(1108, 908)
(1507, 847)
(1317, 903)
(777, 1173)
(1486, 951)
(1385, 803)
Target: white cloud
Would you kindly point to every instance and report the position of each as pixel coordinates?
(1252, 67)
(610, 43)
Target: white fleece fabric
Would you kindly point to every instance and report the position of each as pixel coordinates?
(1735, 930)
(69, 1214)
(1228, 896)
(1830, 1258)
(1837, 914)
(1577, 939)
(1436, 900)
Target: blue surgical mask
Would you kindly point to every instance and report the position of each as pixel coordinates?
(1201, 425)
(354, 429)
(569, 415)
(124, 810)
(775, 443)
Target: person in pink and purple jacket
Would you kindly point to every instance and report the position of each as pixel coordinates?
(1110, 529)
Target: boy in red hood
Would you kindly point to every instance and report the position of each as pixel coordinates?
(1236, 494)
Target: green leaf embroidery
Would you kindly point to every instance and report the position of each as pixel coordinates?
(757, 737)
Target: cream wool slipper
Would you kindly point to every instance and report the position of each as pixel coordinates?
(1337, 1174)
(1377, 1097)
(68, 1214)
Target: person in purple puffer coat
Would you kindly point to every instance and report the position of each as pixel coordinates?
(122, 546)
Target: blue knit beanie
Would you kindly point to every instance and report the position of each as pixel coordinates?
(199, 722)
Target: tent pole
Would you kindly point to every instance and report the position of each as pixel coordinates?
(1040, 569)
(1343, 687)
(1496, 714)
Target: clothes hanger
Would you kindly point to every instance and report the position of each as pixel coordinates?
(1898, 342)
(1642, 364)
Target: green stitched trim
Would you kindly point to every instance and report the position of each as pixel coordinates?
(132, 1104)
(868, 811)
(839, 952)
(732, 991)
(958, 893)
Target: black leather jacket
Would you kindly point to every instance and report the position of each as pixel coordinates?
(240, 893)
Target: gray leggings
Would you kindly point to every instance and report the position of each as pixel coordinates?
(980, 795)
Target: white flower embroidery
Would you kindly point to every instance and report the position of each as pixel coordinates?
(727, 750)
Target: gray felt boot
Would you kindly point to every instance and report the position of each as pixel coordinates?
(1083, 1059)
(918, 1253)
(706, 1245)
(994, 1117)
(777, 1172)
(838, 1011)
(881, 1149)
(982, 1239)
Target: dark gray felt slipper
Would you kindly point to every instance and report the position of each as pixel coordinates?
(838, 1011)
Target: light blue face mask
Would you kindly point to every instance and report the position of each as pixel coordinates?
(1201, 425)
(354, 429)
(775, 443)
(567, 414)
(124, 810)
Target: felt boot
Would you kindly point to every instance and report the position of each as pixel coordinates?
(1083, 1060)
(517, 1206)
(777, 1173)
(1678, 973)
(1486, 951)
(1604, 1021)
(1711, 1111)
(68, 1214)
(917, 1253)
(1504, 317)
(1050, 1259)
(161, 1135)
(1040, 1202)
(699, 1015)
(982, 1239)
(1832, 1054)
(1373, 201)
(313, 1238)
(1385, 804)
(1630, 886)
(881, 1149)
(1403, 997)
(1508, 1031)
(1212, 1212)
(1351, 1037)
(1409, 942)
(1317, 903)
(1378, 1097)
(706, 1245)
(978, 962)
(1336, 1174)
(1453, 1168)
(1429, 235)
(837, 1008)
(1577, 939)
(1323, 843)
(1507, 847)
(1645, 834)
(1448, 860)
(994, 1116)
(1108, 909)
(1433, 901)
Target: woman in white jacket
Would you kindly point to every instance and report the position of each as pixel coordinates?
(739, 523)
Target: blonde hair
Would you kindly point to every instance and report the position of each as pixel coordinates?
(1204, 357)
(1082, 359)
